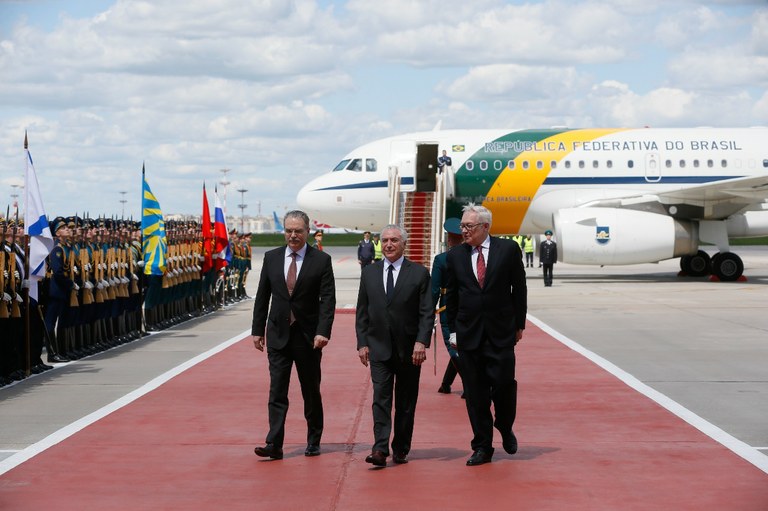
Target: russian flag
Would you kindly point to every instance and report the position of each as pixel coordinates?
(220, 236)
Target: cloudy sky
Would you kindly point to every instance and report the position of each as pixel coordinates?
(278, 91)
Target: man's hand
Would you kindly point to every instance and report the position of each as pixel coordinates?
(452, 339)
(320, 342)
(518, 336)
(258, 342)
(419, 354)
(363, 354)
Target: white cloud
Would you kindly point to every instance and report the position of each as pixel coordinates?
(278, 92)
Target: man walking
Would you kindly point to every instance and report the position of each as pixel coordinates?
(394, 322)
(299, 282)
(486, 303)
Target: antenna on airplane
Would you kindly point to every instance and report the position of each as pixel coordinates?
(438, 126)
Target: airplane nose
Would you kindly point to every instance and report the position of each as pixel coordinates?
(304, 198)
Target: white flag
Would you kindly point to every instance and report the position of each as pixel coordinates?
(36, 226)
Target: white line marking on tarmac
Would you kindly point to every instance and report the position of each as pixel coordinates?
(751, 454)
(69, 430)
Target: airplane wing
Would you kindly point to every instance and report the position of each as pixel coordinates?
(711, 201)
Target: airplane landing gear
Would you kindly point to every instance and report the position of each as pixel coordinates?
(697, 265)
(726, 266)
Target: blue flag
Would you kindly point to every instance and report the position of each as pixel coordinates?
(154, 241)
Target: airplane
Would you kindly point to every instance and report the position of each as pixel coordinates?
(613, 196)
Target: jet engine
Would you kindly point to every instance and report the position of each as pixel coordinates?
(611, 236)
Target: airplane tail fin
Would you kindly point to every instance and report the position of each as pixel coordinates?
(278, 224)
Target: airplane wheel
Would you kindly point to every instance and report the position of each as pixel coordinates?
(728, 266)
(700, 264)
(685, 264)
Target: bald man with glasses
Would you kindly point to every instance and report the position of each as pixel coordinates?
(486, 305)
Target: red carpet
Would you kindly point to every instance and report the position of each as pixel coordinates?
(587, 442)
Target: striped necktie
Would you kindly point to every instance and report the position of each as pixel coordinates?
(480, 266)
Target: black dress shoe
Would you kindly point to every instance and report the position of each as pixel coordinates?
(479, 458)
(269, 451)
(57, 359)
(312, 450)
(509, 442)
(377, 458)
(444, 389)
(400, 457)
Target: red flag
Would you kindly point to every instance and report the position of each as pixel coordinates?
(207, 234)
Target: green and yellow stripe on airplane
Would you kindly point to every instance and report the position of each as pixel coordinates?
(486, 177)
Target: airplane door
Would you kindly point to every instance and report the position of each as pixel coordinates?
(652, 168)
(426, 167)
(404, 159)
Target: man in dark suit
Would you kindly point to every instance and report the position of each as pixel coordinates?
(299, 281)
(394, 323)
(486, 306)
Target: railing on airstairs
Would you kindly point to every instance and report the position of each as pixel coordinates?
(421, 214)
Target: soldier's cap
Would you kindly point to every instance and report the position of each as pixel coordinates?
(548, 232)
(57, 223)
(451, 225)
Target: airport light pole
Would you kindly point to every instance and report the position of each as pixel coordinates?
(123, 201)
(242, 207)
(15, 197)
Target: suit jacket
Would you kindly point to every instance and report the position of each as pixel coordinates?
(399, 324)
(313, 301)
(498, 309)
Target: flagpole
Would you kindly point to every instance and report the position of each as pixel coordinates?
(25, 289)
(27, 312)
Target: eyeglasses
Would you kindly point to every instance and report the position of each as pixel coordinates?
(295, 231)
(469, 227)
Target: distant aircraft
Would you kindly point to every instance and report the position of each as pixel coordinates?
(612, 196)
(278, 224)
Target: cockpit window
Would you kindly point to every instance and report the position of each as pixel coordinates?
(370, 165)
(355, 165)
(341, 166)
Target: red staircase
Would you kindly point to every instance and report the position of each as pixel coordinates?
(416, 218)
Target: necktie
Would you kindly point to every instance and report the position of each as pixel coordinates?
(290, 280)
(480, 266)
(390, 282)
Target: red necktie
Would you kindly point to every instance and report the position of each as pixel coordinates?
(480, 266)
(290, 281)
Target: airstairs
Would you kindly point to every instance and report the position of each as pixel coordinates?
(422, 215)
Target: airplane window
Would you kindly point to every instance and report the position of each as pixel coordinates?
(341, 166)
(356, 165)
(553, 164)
(724, 163)
(511, 164)
(696, 163)
(710, 163)
(370, 165)
(668, 163)
(581, 164)
(682, 164)
(567, 164)
(497, 165)
(483, 165)
(609, 164)
(539, 164)
(630, 163)
(595, 164)
(765, 164)
(525, 165)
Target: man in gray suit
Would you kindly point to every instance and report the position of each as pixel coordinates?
(394, 323)
(299, 282)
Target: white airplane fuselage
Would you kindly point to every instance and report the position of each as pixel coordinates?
(613, 196)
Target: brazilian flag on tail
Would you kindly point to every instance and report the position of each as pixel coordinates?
(155, 243)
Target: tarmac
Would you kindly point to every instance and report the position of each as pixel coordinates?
(638, 389)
